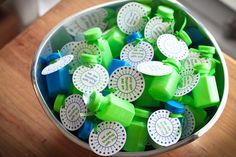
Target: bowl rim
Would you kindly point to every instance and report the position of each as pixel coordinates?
(85, 145)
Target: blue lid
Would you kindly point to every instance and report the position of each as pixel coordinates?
(132, 38)
(115, 64)
(85, 130)
(175, 107)
(53, 56)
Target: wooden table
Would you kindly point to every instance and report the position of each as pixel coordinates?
(25, 130)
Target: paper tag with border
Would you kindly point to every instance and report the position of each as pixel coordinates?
(188, 81)
(171, 47)
(154, 68)
(95, 18)
(87, 79)
(156, 27)
(192, 59)
(107, 138)
(189, 123)
(67, 48)
(70, 114)
(163, 130)
(137, 54)
(128, 83)
(130, 18)
(77, 49)
(59, 64)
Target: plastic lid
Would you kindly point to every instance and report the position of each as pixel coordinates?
(85, 130)
(133, 37)
(59, 102)
(165, 12)
(185, 37)
(207, 49)
(139, 112)
(94, 101)
(176, 64)
(202, 68)
(174, 107)
(88, 58)
(93, 34)
(53, 56)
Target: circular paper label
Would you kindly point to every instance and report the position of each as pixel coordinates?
(154, 68)
(127, 83)
(188, 81)
(79, 48)
(107, 138)
(192, 59)
(156, 27)
(67, 48)
(94, 18)
(171, 47)
(189, 123)
(59, 64)
(137, 54)
(130, 18)
(162, 129)
(88, 79)
(70, 114)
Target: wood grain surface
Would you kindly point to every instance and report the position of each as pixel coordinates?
(25, 130)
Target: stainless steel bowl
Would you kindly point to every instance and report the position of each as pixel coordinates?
(58, 36)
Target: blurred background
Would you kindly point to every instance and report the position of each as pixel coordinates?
(219, 16)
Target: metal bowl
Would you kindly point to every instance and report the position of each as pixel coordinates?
(59, 36)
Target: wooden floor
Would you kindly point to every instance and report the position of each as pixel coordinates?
(25, 130)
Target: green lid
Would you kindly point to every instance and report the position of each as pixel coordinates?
(93, 34)
(94, 101)
(139, 112)
(174, 63)
(207, 49)
(184, 36)
(59, 102)
(202, 68)
(165, 12)
(88, 58)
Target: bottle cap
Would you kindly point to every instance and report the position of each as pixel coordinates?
(207, 49)
(59, 102)
(88, 58)
(115, 64)
(94, 101)
(202, 68)
(133, 37)
(165, 12)
(107, 139)
(184, 36)
(174, 107)
(93, 34)
(85, 130)
(174, 63)
(53, 56)
(139, 112)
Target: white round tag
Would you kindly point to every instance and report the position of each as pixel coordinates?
(95, 18)
(137, 54)
(162, 129)
(79, 48)
(59, 64)
(188, 81)
(154, 68)
(70, 113)
(87, 79)
(130, 18)
(171, 47)
(189, 123)
(107, 138)
(156, 27)
(127, 83)
(67, 48)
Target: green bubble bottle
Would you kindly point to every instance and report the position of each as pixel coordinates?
(94, 36)
(205, 94)
(164, 87)
(110, 108)
(137, 134)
